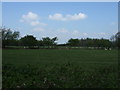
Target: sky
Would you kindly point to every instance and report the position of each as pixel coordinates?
(64, 20)
(0, 14)
(60, 0)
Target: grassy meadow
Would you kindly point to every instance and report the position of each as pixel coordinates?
(59, 68)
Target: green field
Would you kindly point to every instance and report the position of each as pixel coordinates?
(78, 68)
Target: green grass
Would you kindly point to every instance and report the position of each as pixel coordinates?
(84, 58)
(59, 68)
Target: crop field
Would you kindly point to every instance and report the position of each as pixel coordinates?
(59, 68)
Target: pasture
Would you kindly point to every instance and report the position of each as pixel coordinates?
(60, 68)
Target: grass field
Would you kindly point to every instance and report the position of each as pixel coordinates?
(77, 68)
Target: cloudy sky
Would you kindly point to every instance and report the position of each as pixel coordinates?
(65, 20)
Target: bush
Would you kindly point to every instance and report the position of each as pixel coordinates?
(58, 76)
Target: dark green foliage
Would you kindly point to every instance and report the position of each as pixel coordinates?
(29, 41)
(74, 42)
(88, 42)
(117, 36)
(58, 76)
(9, 37)
(115, 39)
(48, 41)
(60, 68)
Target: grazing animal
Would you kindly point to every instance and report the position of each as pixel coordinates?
(105, 48)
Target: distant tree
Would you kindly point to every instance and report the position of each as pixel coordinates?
(112, 38)
(117, 36)
(115, 39)
(8, 36)
(73, 42)
(82, 42)
(40, 43)
(29, 41)
(89, 42)
(54, 40)
(105, 43)
(0, 37)
(48, 41)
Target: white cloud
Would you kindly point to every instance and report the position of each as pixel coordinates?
(65, 34)
(63, 30)
(34, 23)
(56, 16)
(85, 34)
(38, 29)
(75, 32)
(32, 19)
(102, 33)
(68, 17)
(30, 16)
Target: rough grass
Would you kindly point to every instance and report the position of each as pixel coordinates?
(60, 68)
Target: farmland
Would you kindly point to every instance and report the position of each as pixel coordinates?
(60, 68)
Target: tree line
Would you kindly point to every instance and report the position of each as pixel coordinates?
(12, 38)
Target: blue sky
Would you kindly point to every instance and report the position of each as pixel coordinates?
(65, 20)
(0, 14)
